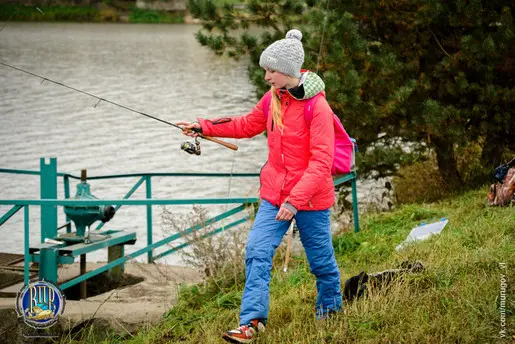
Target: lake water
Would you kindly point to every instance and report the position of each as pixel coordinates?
(157, 69)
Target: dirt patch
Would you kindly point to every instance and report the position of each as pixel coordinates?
(8, 278)
(101, 284)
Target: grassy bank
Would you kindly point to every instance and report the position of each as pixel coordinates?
(106, 11)
(455, 300)
(87, 14)
(49, 13)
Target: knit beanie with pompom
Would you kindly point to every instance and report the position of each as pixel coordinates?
(285, 55)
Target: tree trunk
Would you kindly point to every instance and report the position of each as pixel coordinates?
(447, 163)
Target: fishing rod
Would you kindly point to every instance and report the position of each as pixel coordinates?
(186, 146)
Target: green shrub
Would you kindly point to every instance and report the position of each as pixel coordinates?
(422, 182)
(49, 13)
(150, 16)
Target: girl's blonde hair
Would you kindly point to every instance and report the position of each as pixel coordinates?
(276, 109)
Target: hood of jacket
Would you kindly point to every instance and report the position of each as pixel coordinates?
(310, 85)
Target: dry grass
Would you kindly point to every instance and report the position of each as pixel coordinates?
(214, 255)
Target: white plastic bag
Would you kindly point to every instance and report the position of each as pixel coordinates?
(423, 232)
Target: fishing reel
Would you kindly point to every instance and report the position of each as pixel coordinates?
(191, 148)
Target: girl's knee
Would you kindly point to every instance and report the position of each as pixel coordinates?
(260, 250)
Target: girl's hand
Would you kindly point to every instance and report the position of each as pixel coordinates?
(284, 214)
(188, 127)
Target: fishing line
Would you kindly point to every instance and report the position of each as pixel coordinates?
(9, 19)
(187, 146)
(323, 34)
(100, 99)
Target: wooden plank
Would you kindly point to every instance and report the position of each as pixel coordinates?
(7, 259)
(115, 238)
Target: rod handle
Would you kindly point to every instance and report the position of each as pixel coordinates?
(220, 142)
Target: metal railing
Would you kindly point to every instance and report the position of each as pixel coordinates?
(146, 178)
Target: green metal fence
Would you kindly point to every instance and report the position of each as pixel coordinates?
(146, 178)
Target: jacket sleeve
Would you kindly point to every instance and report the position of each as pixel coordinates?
(322, 155)
(245, 126)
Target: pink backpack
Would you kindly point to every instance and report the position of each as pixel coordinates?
(343, 145)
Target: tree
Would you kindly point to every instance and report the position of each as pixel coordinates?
(403, 75)
(457, 58)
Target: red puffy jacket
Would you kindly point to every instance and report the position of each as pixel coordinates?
(299, 163)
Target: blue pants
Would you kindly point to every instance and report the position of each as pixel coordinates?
(265, 236)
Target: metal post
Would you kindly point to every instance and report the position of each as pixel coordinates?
(48, 190)
(66, 182)
(48, 264)
(48, 182)
(355, 205)
(26, 246)
(83, 285)
(149, 217)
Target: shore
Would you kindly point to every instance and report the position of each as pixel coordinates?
(98, 13)
(153, 290)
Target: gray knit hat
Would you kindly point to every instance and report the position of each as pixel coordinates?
(285, 55)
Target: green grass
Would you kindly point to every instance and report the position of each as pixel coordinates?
(84, 14)
(50, 13)
(152, 16)
(455, 300)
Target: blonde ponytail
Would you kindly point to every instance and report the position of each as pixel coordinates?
(276, 109)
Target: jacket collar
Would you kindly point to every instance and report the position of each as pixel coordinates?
(310, 84)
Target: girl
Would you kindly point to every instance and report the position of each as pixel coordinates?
(295, 182)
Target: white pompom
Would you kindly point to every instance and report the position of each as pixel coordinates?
(294, 34)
